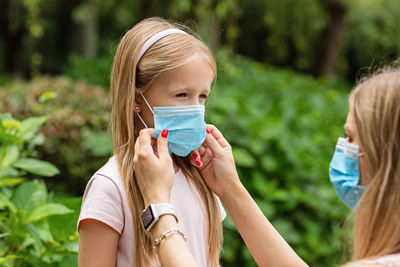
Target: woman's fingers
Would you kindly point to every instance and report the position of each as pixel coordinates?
(218, 136)
(214, 145)
(162, 145)
(195, 158)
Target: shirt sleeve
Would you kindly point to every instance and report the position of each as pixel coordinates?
(102, 201)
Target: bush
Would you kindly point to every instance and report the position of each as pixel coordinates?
(93, 71)
(75, 132)
(283, 128)
(29, 218)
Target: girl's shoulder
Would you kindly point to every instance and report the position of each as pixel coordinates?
(105, 181)
(110, 170)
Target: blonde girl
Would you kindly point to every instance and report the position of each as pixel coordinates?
(157, 64)
(365, 172)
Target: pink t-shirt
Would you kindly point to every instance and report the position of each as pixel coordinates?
(105, 200)
(392, 260)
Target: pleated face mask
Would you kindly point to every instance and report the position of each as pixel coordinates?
(344, 173)
(185, 125)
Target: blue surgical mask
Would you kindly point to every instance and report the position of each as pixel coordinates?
(185, 125)
(344, 173)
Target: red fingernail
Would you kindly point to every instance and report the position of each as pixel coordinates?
(208, 130)
(198, 163)
(195, 155)
(164, 133)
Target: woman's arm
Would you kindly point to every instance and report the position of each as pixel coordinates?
(155, 176)
(97, 244)
(263, 241)
(218, 170)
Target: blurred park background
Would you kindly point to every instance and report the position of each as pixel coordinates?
(285, 69)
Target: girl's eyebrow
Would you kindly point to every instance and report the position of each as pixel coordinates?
(190, 89)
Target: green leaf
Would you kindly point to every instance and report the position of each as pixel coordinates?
(46, 211)
(9, 139)
(30, 195)
(3, 235)
(68, 220)
(36, 166)
(4, 202)
(31, 125)
(9, 155)
(11, 181)
(10, 258)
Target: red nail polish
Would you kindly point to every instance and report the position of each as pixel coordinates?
(198, 163)
(195, 155)
(208, 130)
(164, 133)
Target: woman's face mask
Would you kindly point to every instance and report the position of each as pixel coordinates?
(344, 173)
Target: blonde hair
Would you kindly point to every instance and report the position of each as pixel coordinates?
(127, 79)
(375, 107)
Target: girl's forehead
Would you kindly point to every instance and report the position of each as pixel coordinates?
(192, 74)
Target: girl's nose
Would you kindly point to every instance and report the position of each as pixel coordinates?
(195, 101)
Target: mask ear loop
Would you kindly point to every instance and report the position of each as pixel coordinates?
(147, 103)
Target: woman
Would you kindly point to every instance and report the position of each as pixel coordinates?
(365, 172)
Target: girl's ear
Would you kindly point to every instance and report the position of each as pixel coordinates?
(138, 103)
(137, 107)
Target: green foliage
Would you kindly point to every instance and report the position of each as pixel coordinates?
(27, 237)
(373, 32)
(89, 70)
(283, 128)
(75, 132)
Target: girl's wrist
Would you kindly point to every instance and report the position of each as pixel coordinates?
(164, 223)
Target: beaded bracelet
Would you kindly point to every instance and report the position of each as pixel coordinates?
(168, 233)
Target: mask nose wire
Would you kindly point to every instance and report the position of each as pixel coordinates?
(147, 103)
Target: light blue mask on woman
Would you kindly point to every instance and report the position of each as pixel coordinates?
(185, 125)
(344, 173)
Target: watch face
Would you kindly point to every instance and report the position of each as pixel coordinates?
(147, 217)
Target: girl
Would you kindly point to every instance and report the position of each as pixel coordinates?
(157, 65)
(365, 172)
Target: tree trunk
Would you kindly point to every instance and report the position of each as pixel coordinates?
(331, 38)
(13, 40)
(89, 31)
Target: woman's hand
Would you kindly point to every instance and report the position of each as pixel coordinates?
(215, 162)
(154, 170)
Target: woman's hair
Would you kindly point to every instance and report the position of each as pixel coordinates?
(127, 79)
(375, 107)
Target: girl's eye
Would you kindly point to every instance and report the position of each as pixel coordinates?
(204, 96)
(181, 95)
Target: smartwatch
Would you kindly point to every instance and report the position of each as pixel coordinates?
(154, 211)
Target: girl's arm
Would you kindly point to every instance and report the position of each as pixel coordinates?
(172, 251)
(97, 244)
(155, 176)
(265, 243)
